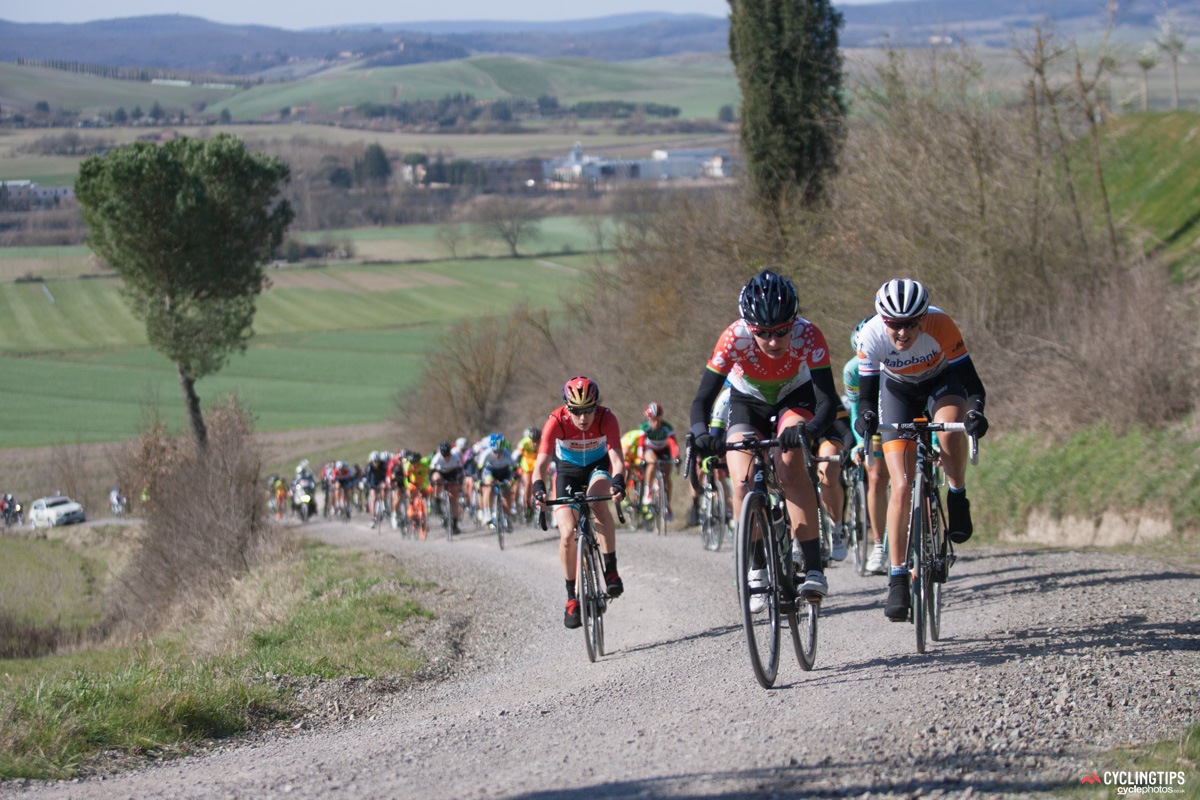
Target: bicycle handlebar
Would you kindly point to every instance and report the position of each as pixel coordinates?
(935, 427)
(578, 498)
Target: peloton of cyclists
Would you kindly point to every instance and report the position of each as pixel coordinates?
(583, 439)
(778, 365)
(912, 360)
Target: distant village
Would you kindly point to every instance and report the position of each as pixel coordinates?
(574, 170)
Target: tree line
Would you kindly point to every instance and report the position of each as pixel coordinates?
(457, 108)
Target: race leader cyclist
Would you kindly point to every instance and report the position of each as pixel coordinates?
(777, 363)
(877, 477)
(924, 364)
(584, 441)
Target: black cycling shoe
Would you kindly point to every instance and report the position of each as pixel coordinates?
(615, 585)
(571, 614)
(958, 509)
(898, 602)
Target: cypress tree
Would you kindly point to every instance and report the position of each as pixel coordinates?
(785, 54)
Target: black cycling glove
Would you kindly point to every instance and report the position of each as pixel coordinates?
(867, 424)
(710, 444)
(618, 482)
(539, 490)
(794, 436)
(976, 424)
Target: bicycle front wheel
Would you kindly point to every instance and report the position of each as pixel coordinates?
(587, 591)
(803, 622)
(498, 515)
(718, 515)
(761, 625)
(918, 569)
(659, 500)
(859, 527)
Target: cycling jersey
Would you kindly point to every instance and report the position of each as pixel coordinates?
(763, 387)
(569, 445)
(937, 346)
(376, 473)
(719, 417)
(752, 373)
(417, 474)
(526, 451)
(445, 464)
(629, 446)
(660, 440)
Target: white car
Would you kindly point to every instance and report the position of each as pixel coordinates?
(53, 511)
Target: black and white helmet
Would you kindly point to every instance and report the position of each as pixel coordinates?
(768, 300)
(901, 298)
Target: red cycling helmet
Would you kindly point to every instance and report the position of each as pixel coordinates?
(654, 411)
(581, 394)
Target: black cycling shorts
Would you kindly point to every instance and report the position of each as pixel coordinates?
(572, 478)
(904, 402)
(745, 410)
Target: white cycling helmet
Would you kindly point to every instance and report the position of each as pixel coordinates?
(901, 298)
(461, 443)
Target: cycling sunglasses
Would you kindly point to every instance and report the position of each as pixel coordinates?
(779, 332)
(902, 324)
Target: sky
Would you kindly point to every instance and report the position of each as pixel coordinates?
(299, 15)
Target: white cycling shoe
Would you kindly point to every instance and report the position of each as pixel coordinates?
(839, 546)
(758, 580)
(875, 561)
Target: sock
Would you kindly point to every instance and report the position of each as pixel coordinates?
(959, 490)
(758, 559)
(894, 570)
(610, 562)
(570, 589)
(812, 554)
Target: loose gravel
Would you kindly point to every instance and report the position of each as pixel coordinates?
(1048, 660)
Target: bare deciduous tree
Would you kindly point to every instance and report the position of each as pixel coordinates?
(508, 218)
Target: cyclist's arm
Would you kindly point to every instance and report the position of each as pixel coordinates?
(827, 400)
(706, 395)
(971, 382)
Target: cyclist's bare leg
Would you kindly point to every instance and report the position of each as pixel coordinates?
(565, 517)
(797, 487)
(832, 493)
(740, 463)
(901, 460)
(452, 491)
(606, 529)
(954, 445)
(877, 493)
(650, 459)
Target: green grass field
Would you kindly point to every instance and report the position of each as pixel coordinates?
(332, 347)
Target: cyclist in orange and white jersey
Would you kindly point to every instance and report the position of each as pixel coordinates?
(781, 382)
(912, 360)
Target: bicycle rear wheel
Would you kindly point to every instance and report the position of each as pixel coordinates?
(762, 629)
(587, 591)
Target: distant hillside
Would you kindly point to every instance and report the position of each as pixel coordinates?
(193, 44)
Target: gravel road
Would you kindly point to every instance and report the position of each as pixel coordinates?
(1048, 659)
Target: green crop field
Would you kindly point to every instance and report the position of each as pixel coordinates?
(89, 94)
(698, 85)
(333, 345)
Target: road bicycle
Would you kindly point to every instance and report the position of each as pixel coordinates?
(382, 509)
(714, 505)
(639, 515)
(763, 544)
(857, 526)
(590, 589)
(930, 552)
(500, 517)
(441, 507)
(655, 510)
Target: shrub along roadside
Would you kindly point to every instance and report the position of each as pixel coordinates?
(1140, 472)
(319, 611)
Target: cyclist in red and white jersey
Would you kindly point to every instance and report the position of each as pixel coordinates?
(777, 364)
(912, 360)
(583, 439)
(655, 445)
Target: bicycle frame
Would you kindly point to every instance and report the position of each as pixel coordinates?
(590, 588)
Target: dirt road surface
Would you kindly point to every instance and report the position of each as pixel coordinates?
(1047, 660)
